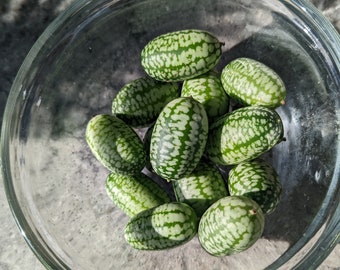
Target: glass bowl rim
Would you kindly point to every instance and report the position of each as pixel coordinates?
(330, 38)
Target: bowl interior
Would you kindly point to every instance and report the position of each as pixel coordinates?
(57, 187)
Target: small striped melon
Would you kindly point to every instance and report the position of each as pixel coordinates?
(115, 144)
(251, 82)
(164, 226)
(179, 138)
(258, 180)
(231, 225)
(134, 193)
(139, 102)
(200, 189)
(244, 134)
(208, 90)
(181, 55)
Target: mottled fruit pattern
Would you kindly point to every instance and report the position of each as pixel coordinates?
(230, 225)
(200, 189)
(180, 55)
(115, 144)
(208, 90)
(164, 226)
(134, 193)
(179, 138)
(197, 121)
(257, 180)
(252, 83)
(244, 134)
(139, 102)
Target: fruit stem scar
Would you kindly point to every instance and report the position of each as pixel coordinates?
(252, 212)
(283, 139)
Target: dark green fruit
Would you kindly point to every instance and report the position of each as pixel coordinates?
(134, 193)
(181, 55)
(165, 226)
(179, 138)
(244, 134)
(201, 188)
(252, 83)
(231, 225)
(115, 144)
(139, 102)
(208, 90)
(257, 180)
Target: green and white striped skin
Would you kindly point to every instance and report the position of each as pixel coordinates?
(243, 135)
(115, 144)
(231, 225)
(252, 83)
(179, 138)
(139, 102)
(165, 226)
(134, 193)
(200, 189)
(257, 180)
(208, 90)
(181, 55)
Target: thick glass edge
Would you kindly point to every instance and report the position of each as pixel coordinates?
(50, 262)
(41, 251)
(326, 29)
(312, 257)
(331, 235)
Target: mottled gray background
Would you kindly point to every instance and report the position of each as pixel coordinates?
(21, 23)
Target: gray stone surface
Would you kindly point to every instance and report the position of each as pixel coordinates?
(21, 23)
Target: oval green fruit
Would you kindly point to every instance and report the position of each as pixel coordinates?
(181, 55)
(139, 102)
(252, 83)
(258, 180)
(115, 144)
(231, 225)
(244, 134)
(162, 227)
(179, 138)
(201, 188)
(208, 90)
(134, 193)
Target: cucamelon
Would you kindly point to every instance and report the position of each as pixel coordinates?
(179, 138)
(208, 90)
(134, 193)
(230, 225)
(181, 55)
(201, 188)
(183, 123)
(139, 102)
(115, 144)
(244, 134)
(258, 180)
(162, 227)
(253, 83)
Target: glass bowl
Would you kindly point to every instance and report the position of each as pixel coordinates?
(56, 188)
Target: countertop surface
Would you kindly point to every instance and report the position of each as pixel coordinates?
(21, 23)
